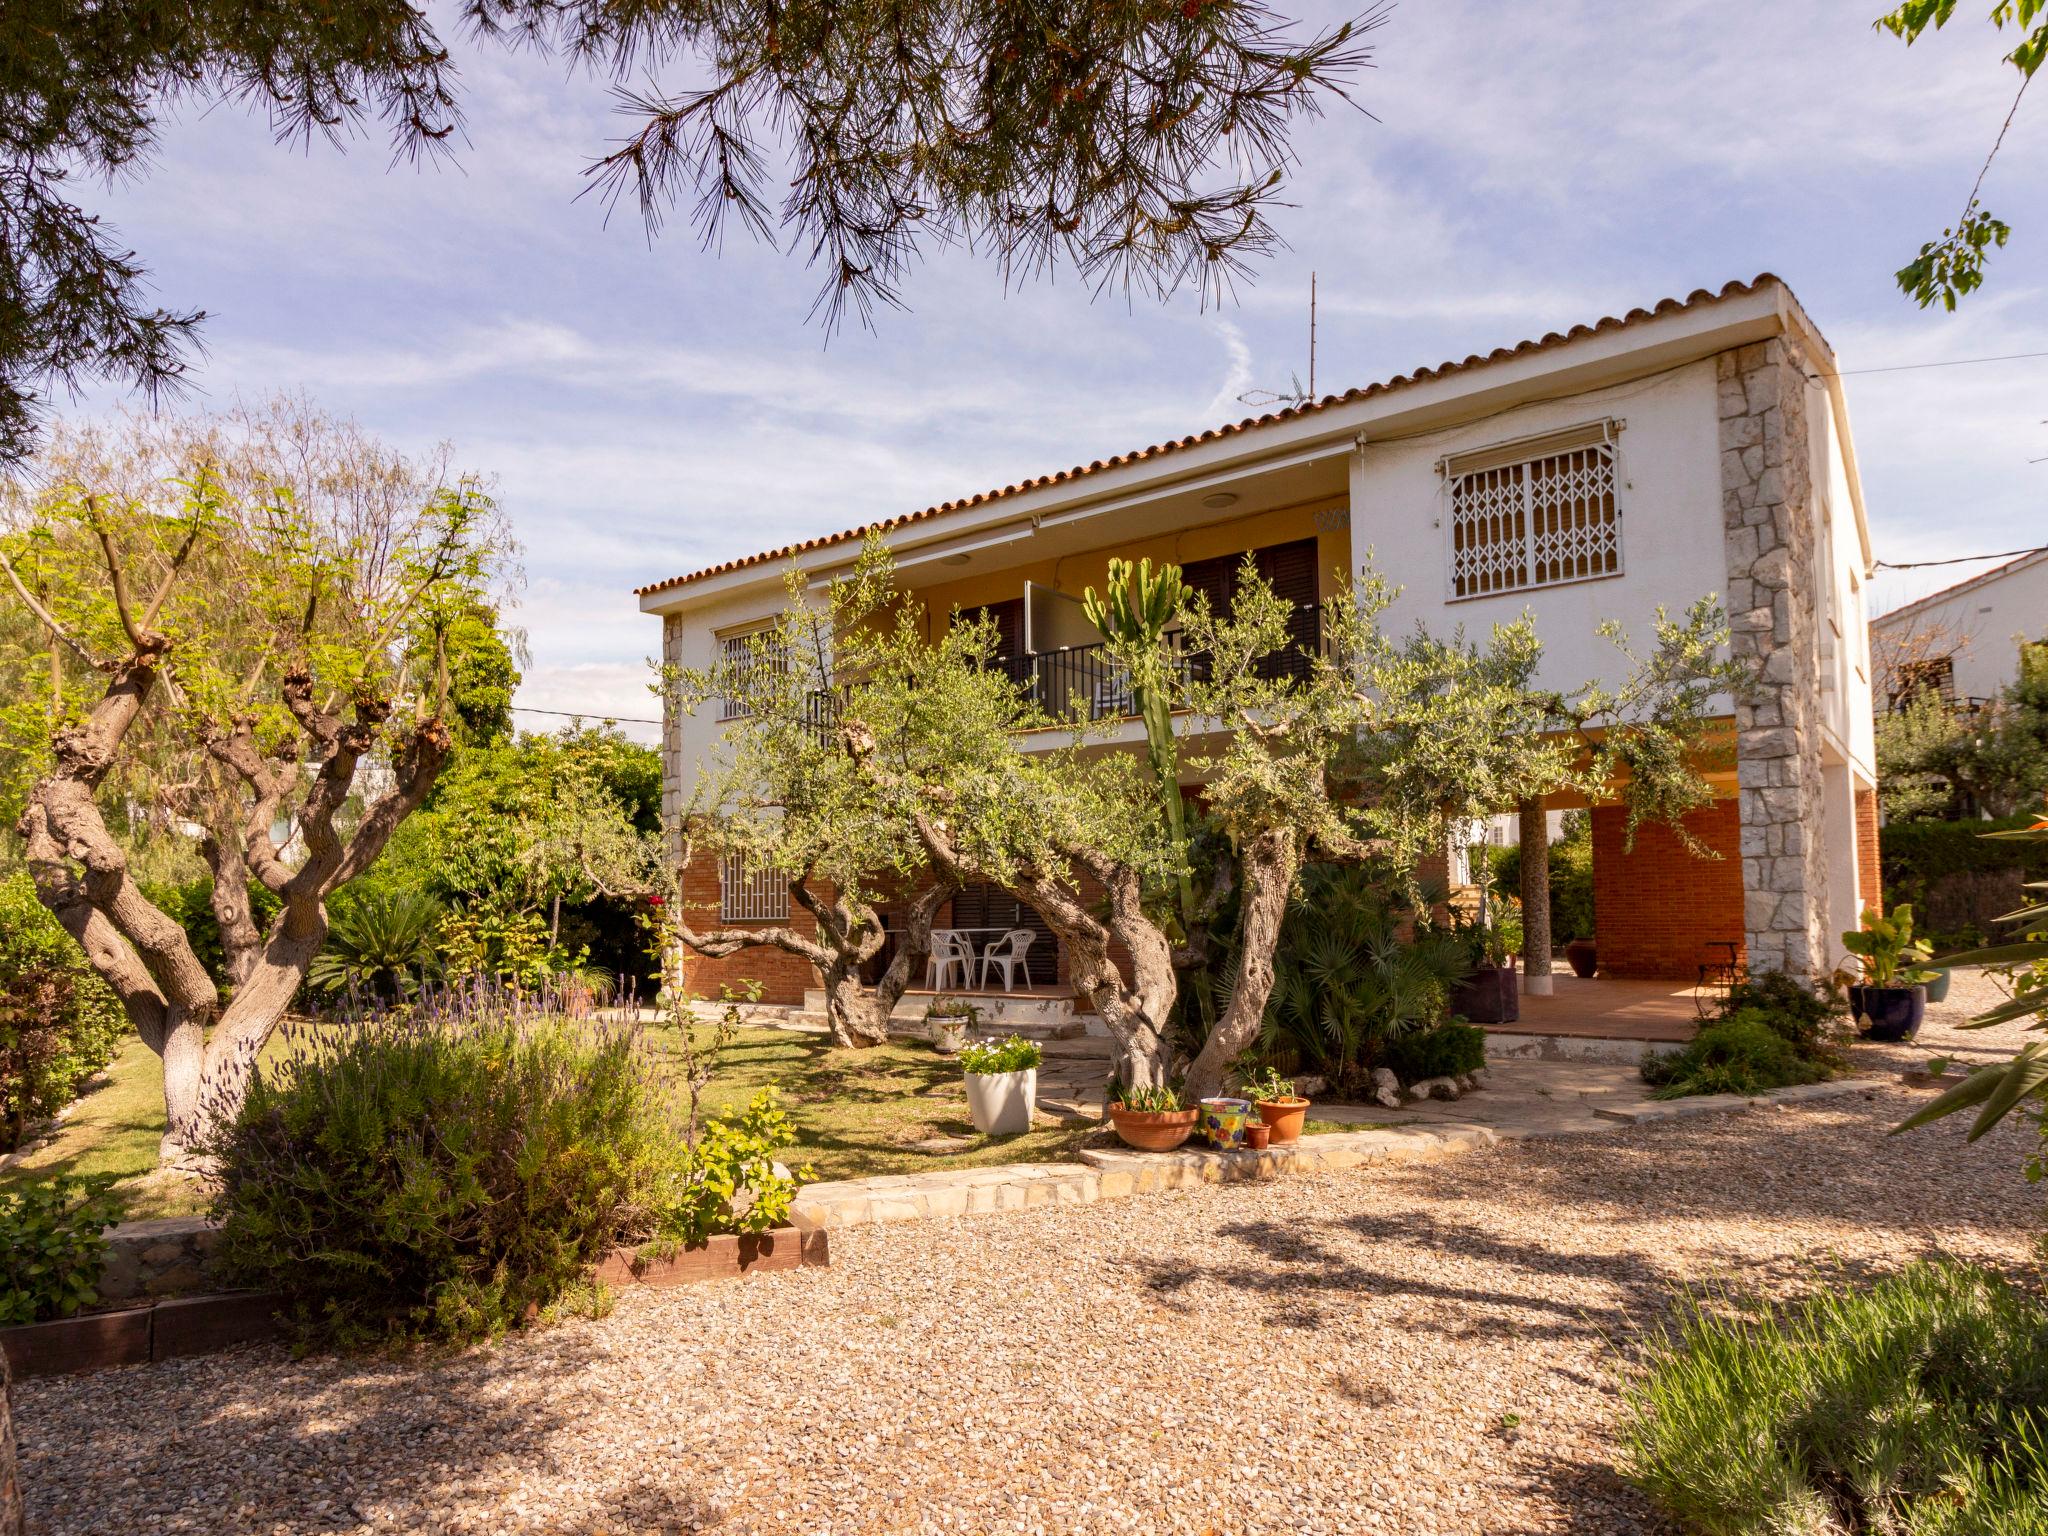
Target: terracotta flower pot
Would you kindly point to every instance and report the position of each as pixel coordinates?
(1257, 1135)
(1583, 956)
(1153, 1130)
(1284, 1118)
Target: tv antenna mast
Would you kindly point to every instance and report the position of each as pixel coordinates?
(1295, 394)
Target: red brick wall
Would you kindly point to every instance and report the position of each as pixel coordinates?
(1656, 906)
(783, 976)
(1869, 876)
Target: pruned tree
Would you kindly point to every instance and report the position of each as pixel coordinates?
(236, 597)
(1146, 144)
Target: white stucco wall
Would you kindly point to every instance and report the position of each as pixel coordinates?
(1670, 497)
(1981, 624)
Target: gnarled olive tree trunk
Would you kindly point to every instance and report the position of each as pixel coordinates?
(1268, 864)
(82, 875)
(849, 935)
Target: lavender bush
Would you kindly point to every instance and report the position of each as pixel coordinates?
(448, 1171)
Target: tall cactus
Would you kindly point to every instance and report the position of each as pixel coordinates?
(1137, 607)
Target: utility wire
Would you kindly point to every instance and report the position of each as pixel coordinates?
(1914, 565)
(585, 714)
(1952, 362)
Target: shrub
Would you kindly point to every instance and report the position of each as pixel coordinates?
(380, 942)
(1958, 876)
(1918, 1404)
(1443, 1050)
(1352, 972)
(1015, 1054)
(59, 1023)
(51, 1247)
(732, 1182)
(1772, 1032)
(436, 1177)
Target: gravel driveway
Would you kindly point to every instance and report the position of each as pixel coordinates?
(1428, 1349)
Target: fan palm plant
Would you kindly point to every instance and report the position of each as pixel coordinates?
(1354, 969)
(380, 943)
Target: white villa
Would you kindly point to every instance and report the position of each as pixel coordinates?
(1698, 446)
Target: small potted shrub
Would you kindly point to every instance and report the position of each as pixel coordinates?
(1002, 1084)
(947, 1023)
(1892, 997)
(1489, 994)
(1283, 1111)
(1151, 1119)
(1583, 956)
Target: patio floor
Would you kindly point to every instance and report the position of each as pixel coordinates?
(1609, 1009)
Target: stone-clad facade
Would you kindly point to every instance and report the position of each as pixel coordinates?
(1768, 526)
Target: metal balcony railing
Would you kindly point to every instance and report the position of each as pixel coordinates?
(1055, 679)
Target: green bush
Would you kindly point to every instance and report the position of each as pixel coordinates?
(1354, 970)
(1915, 1405)
(1772, 1032)
(51, 1247)
(1443, 1050)
(380, 943)
(1571, 878)
(59, 1023)
(446, 1178)
(1959, 880)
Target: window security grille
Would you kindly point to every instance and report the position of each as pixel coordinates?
(749, 895)
(744, 653)
(1535, 522)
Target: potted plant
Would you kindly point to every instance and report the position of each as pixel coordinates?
(1151, 1119)
(1283, 1111)
(947, 1022)
(1489, 993)
(1892, 997)
(1258, 1135)
(1223, 1121)
(1583, 956)
(1002, 1084)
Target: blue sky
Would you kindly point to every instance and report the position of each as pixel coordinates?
(649, 409)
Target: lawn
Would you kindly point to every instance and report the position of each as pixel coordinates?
(858, 1113)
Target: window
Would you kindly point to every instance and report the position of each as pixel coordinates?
(1290, 570)
(1933, 674)
(743, 653)
(1535, 515)
(750, 895)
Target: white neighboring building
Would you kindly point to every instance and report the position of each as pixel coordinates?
(1965, 641)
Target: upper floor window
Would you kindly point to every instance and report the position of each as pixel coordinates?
(742, 654)
(1535, 514)
(1928, 674)
(749, 894)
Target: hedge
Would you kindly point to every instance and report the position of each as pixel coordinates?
(1959, 881)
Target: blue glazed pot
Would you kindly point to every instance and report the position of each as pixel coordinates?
(1889, 1013)
(1937, 989)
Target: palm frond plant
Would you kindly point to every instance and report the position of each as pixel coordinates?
(380, 943)
(1356, 967)
(1995, 1091)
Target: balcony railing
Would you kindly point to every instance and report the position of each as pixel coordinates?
(1056, 679)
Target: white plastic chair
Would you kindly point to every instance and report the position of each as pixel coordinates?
(1008, 952)
(950, 952)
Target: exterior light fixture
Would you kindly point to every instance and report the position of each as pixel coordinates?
(1220, 499)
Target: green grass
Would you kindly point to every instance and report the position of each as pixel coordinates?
(857, 1113)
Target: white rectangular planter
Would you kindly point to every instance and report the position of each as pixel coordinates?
(1002, 1103)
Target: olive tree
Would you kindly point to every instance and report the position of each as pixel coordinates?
(787, 792)
(236, 606)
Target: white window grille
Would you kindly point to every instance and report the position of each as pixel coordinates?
(1535, 516)
(747, 894)
(758, 648)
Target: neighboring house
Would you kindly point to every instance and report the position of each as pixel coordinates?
(1963, 642)
(1699, 447)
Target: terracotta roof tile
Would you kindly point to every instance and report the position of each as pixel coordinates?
(1231, 429)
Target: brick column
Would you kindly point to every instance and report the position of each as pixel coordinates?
(1768, 534)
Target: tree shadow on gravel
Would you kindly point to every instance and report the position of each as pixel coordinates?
(252, 1441)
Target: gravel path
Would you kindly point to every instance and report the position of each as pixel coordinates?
(1428, 1349)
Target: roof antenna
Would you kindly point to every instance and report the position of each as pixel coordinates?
(1295, 394)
